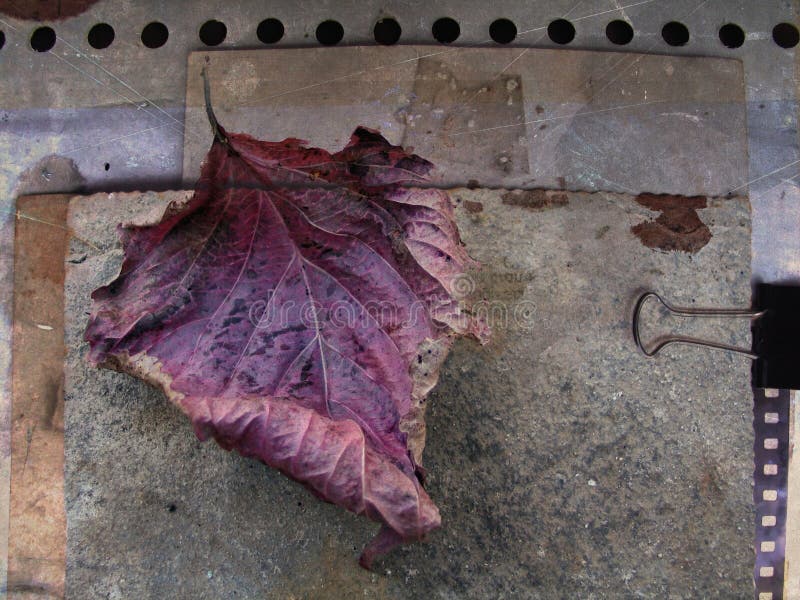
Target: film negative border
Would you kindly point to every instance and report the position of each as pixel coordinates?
(771, 412)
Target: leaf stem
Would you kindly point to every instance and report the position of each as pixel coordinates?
(210, 111)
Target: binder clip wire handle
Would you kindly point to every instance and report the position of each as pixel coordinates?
(690, 312)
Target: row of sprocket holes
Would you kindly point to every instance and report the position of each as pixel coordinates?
(387, 31)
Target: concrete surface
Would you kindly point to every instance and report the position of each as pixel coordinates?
(565, 464)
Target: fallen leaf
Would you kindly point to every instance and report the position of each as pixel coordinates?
(297, 308)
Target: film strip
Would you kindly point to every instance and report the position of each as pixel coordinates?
(771, 411)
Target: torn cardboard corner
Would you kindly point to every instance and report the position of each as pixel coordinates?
(37, 523)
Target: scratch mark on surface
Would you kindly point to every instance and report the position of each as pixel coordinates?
(692, 118)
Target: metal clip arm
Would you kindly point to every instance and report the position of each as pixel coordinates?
(690, 312)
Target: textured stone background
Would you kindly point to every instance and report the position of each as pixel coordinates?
(564, 462)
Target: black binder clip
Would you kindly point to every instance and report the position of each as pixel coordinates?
(775, 330)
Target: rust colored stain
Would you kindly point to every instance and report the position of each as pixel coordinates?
(677, 228)
(473, 207)
(535, 199)
(44, 10)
